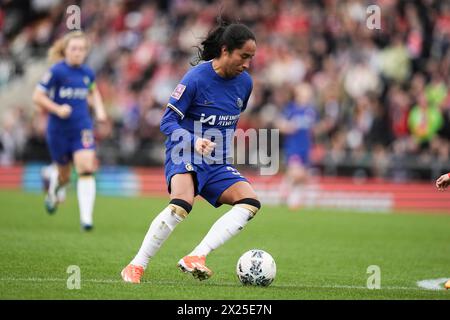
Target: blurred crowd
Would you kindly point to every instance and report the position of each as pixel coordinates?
(382, 94)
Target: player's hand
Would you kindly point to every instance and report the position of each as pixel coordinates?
(286, 126)
(442, 182)
(204, 146)
(64, 111)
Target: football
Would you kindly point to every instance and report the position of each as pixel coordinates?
(256, 267)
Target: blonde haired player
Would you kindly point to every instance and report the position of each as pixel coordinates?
(442, 183)
(64, 92)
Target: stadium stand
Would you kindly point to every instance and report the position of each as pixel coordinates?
(372, 88)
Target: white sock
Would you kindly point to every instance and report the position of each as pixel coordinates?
(159, 230)
(285, 187)
(86, 198)
(222, 230)
(295, 198)
(53, 180)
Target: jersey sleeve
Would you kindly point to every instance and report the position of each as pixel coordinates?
(315, 115)
(91, 75)
(286, 113)
(250, 88)
(92, 83)
(183, 95)
(49, 79)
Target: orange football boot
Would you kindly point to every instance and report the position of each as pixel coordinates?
(196, 266)
(132, 273)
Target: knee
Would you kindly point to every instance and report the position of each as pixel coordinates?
(85, 174)
(253, 205)
(63, 177)
(185, 196)
(180, 207)
(299, 176)
(85, 168)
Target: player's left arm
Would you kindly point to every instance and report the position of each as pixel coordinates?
(95, 100)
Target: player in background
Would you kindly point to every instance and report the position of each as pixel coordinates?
(297, 123)
(64, 92)
(441, 184)
(212, 94)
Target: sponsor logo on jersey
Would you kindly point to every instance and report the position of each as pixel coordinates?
(178, 92)
(73, 93)
(219, 120)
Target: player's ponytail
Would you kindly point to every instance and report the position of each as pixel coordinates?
(231, 35)
(56, 52)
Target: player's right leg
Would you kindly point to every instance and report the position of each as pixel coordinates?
(59, 176)
(57, 143)
(235, 191)
(182, 191)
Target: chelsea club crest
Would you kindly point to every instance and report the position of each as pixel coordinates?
(239, 103)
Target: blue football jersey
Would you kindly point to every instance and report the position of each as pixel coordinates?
(70, 85)
(203, 97)
(303, 118)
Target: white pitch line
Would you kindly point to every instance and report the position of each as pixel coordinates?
(212, 284)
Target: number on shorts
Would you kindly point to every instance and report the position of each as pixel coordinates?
(234, 171)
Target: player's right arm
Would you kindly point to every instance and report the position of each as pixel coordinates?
(285, 126)
(41, 98)
(283, 122)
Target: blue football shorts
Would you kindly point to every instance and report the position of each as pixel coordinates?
(210, 180)
(62, 144)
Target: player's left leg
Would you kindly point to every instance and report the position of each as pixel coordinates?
(245, 205)
(297, 174)
(86, 165)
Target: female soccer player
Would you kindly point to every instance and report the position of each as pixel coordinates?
(64, 92)
(441, 184)
(210, 95)
(297, 122)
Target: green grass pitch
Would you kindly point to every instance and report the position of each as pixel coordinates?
(320, 254)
